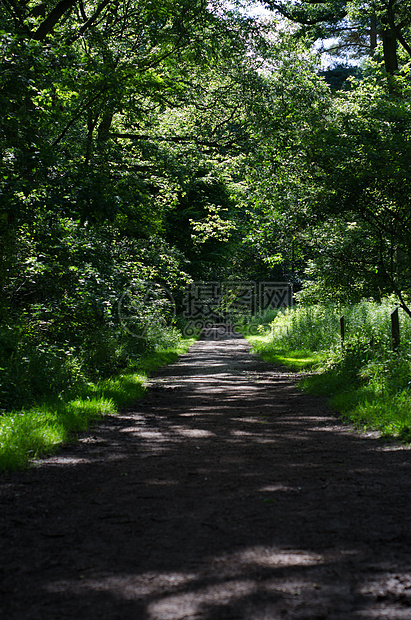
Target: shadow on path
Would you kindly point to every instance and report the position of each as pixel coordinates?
(224, 494)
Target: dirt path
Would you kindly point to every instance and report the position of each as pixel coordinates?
(224, 494)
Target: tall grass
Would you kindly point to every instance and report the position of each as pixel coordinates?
(364, 379)
(39, 430)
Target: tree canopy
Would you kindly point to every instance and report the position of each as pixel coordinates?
(354, 25)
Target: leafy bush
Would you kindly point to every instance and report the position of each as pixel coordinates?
(40, 429)
(63, 324)
(31, 367)
(311, 327)
(365, 380)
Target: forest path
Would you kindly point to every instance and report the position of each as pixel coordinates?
(224, 494)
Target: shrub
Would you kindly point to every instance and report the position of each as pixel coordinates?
(365, 379)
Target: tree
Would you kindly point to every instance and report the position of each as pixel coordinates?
(89, 90)
(365, 167)
(126, 127)
(358, 25)
(334, 197)
(81, 100)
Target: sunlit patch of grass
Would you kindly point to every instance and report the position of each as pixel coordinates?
(77, 414)
(119, 390)
(300, 359)
(364, 381)
(27, 434)
(390, 414)
(295, 360)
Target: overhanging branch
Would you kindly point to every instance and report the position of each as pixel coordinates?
(51, 20)
(90, 21)
(175, 139)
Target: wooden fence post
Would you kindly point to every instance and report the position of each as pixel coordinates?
(395, 330)
(342, 330)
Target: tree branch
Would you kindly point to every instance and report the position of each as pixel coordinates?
(14, 10)
(134, 136)
(82, 11)
(51, 20)
(90, 21)
(75, 117)
(176, 139)
(295, 13)
(401, 40)
(226, 120)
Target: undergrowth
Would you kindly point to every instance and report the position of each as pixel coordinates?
(40, 429)
(299, 359)
(367, 382)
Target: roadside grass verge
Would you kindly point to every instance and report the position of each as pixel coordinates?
(365, 402)
(39, 430)
(299, 359)
(365, 381)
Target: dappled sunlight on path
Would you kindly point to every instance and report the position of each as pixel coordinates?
(224, 494)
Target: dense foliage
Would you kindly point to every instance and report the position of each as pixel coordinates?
(354, 28)
(117, 119)
(364, 377)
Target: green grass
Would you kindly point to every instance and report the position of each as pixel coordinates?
(390, 415)
(300, 359)
(365, 381)
(364, 404)
(39, 430)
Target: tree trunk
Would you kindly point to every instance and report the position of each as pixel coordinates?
(373, 35)
(103, 132)
(51, 20)
(389, 43)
